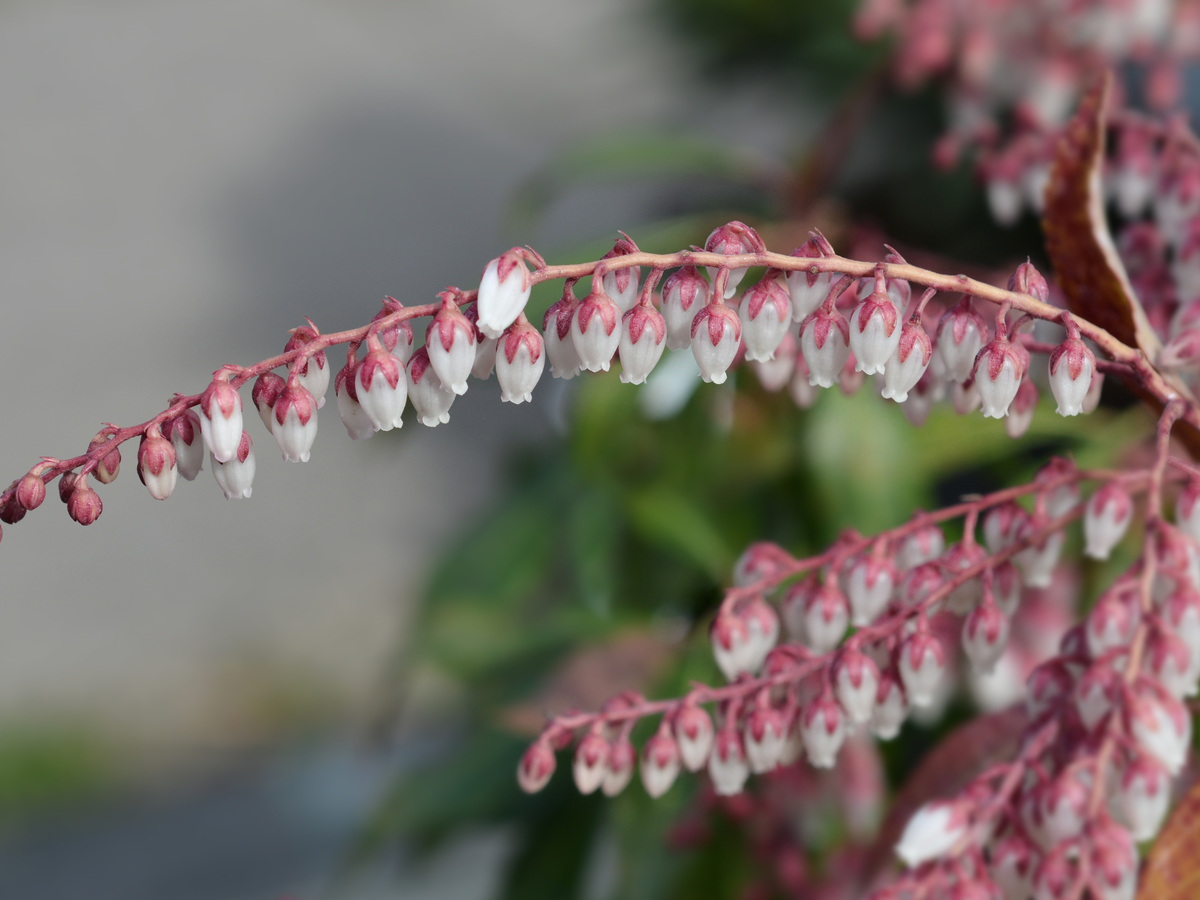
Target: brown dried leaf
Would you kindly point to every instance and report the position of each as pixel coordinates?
(945, 770)
(1080, 245)
(1172, 870)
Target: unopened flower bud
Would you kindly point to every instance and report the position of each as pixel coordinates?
(960, 335)
(312, 372)
(596, 330)
(536, 766)
(875, 330)
(591, 762)
(1109, 512)
(503, 292)
(30, 492)
(619, 769)
(1072, 366)
(826, 615)
(985, 636)
(1063, 805)
(766, 311)
(1162, 727)
(293, 424)
(964, 555)
(1028, 280)
(353, 416)
(924, 545)
(908, 362)
(869, 586)
(660, 763)
(1114, 863)
(184, 434)
(236, 477)
(1142, 797)
(83, 505)
(1169, 661)
(999, 368)
(644, 336)
(891, 707)
(808, 288)
(556, 331)
(1002, 525)
(398, 338)
(1020, 413)
(1094, 693)
(823, 726)
(727, 766)
(921, 663)
(520, 361)
(66, 484)
(920, 582)
(156, 464)
(856, 684)
(221, 417)
(429, 397)
(267, 388)
(933, 831)
(109, 466)
(1037, 561)
(1111, 623)
(684, 293)
(694, 734)
(825, 343)
(11, 512)
(766, 731)
(380, 387)
(450, 343)
(1014, 860)
(733, 239)
(716, 334)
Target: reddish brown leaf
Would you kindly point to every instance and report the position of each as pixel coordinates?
(1172, 870)
(1077, 237)
(945, 770)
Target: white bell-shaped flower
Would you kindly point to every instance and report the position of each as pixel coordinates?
(1109, 512)
(826, 616)
(921, 663)
(716, 334)
(807, 288)
(267, 388)
(694, 734)
(1143, 796)
(1021, 410)
(236, 477)
(430, 398)
(891, 708)
(294, 423)
(644, 336)
(596, 330)
(764, 737)
(1072, 366)
(485, 347)
(684, 293)
(727, 765)
(381, 387)
(823, 728)
(734, 239)
(353, 416)
(622, 286)
(908, 362)
(398, 337)
(520, 360)
(503, 292)
(660, 763)
(874, 332)
(313, 372)
(933, 831)
(960, 335)
(825, 344)
(999, 368)
(985, 635)
(618, 771)
(221, 416)
(189, 445)
(766, 313)
(856, 684)
(156, 464)
(450, 343)
(556, 332)
(869, 587)
(1162, 728)
(591, 762)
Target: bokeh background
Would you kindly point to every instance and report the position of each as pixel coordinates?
(321, 691)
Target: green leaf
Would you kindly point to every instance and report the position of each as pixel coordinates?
(667, 517)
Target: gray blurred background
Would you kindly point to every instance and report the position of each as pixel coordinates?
(183, 180)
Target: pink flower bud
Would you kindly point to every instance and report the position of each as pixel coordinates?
(519, 361)
(685, 293)
(11, 512)
(760, 560)
(767, 313)
(985, 636)
(83, 505)
(591, 762)
(875, 331)
(891, 707)
(536, 766)
(727, 766)
(450, 343)
(826, 615)
(66, 484)
(1072, 366)
(221, 416)
(1055, 877)
(856, 684)
(267, 388)
(733, 239)
(763, 623)
(313, 372)
(1181, 611)
(1187, 509)
(716, 333)
(560, 346)
(999, 368)
(1014, 860)
(1028, 280)
(825, 343)
(156, 464)
(1002, 525)
(503, 292)
(293, 424)
(964, 555)
(595, 329)
(1064, 497)
(353, 416)
(1114, 864)
(30, 492)
(766, 731)
(380, 388)
(694, 734)
(109, 466)
(1111, 623)
(660, 763)
(1063, 804)
(1006, 588)
(184, 434)
(869, 586)
(1143, 794)
(933, 831)
(1037, 561)
(923, 545)
(643, 338)
(920, 582)
(1169, 662)
(619, 769)
(1109, 512)
(1162, 727)
(429, 397)
(397, 339)
(921, 663)
(908, 362)
(1020, 413)
(1094, 694)
(1047, 686)
(960, 335)
(236, 477)
(823, 727)
(808, 289)
(732, 645)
